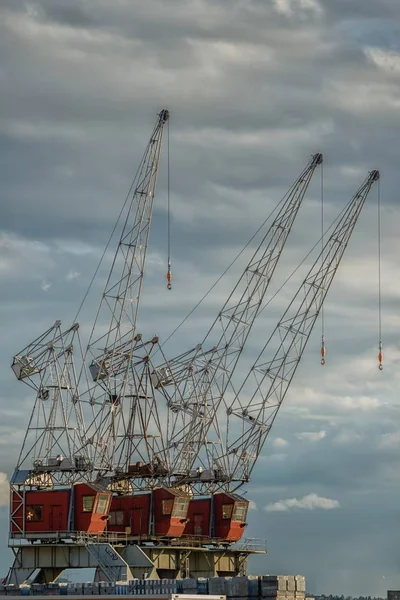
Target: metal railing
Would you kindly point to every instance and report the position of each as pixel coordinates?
(252, 545)
(108, 537)
(122, 538)
(80, 537)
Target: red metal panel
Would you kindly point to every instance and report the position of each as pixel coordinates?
(165, 522)
(130, 514)
(176, 527)
(44, 511)
(139, 515)
(162, 522)
(236, 531)
(82, 516)
(56, 518)
(226, 526)
(101, 508)
(198, 517)
(221, 524)
(91, 508)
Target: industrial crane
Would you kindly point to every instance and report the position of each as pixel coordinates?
(247, 418)
(199, 378)
(97, 420)
(129, 420)
(54, 440)
(120, 394)
(73, 429)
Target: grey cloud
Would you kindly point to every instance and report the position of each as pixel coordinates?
(359, 10)
(252, 93)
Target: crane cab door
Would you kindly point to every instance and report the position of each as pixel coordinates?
(136, 521)
(100, 512)
(198, 524)
(56, 518)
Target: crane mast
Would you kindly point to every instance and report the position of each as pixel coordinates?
(53, 449)
(117, 387)
(201, 377)
(255, 406)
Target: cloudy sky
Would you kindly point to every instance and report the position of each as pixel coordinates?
(254, 88)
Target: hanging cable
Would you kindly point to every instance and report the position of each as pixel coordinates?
(271, 214)
(323, 348)
(104, 253)
(169, 275)
(380, 353)
(339, 216)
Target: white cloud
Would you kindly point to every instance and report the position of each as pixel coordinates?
(364, 403)
(252, 505)
(277, 457)
(283, 6)
(309, 502)
(22, 256)
(345, 400)
(311, 436)
(347, 437)
(280, 443)
(290, 7)
(75, 247)
(386, 60)
(390, 440)
(4, 489)
(155, 261)
(71, 275)
(46, 285)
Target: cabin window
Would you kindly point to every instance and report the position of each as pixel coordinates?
(102, 504)
(180, 507)
(167, 506)
(116, 517)
(240, 512)
(227, 511)
(87, 503)
(34, 513)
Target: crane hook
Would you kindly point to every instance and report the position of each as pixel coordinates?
(323, 351)
(169, 276)
(380, 357)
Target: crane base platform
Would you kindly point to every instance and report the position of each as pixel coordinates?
(44, 562)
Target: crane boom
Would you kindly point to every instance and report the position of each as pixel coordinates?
(113, 342)
(202, 376)
(255, 406)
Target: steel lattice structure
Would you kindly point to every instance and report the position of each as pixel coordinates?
(119, 358)
(252, 412)
(78, 428)
(236, 425)
(138, 423)
(196, 382)
(55, 437)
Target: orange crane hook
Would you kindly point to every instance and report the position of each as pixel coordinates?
(380, 357)
(169, 276)
(323, 351)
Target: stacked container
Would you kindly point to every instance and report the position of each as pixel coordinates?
(187, 586)
(217, 586)
(251, 587)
